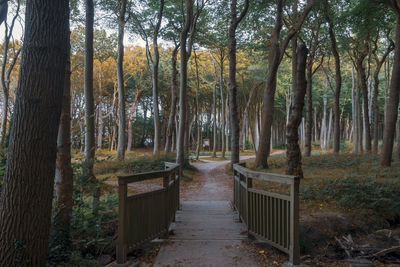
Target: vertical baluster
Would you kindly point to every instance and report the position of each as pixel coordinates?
(294, 256)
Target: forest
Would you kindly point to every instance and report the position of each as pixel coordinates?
(93, 90)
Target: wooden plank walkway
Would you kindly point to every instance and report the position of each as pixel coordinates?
(207, 232)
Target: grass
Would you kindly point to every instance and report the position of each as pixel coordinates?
(346, 182)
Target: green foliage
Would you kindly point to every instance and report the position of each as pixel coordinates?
(378, 197)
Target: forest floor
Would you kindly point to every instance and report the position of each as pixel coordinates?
(350, 207)
(349, 211)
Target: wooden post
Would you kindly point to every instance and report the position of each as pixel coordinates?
(121, 245)
(294, 256)
(166, 203)
(249, 184)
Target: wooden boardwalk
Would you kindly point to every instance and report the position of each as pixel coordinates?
(207, 232)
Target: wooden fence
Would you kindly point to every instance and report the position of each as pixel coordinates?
(145, 216)
(269, 216)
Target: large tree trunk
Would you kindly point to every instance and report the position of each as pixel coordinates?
(234, 117)
(293, 153)
(27, 192)
(392, 107)
(170, 127)
(64, 176)
(121, 86)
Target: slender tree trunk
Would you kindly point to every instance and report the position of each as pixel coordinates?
(364, 88)
(174, 73)
(121, 86)
(293, 153)
(234, 117)
(180, 153)
(157, 129)
(64, 175)
(27, 191)
(309, 124)
(130, 119)
(214, 111)
(221, 89)
(354, 114)
(90, 146)
(392, 107)
(338, 83)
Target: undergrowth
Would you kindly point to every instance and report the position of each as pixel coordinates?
(352, 182)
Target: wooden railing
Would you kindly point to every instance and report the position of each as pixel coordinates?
(269, 216)
(145, 216)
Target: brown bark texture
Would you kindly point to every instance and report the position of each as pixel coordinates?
(27, 192)
(293, 153)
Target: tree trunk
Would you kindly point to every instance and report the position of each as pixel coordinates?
(170, 127)
(354, 114)
(221, 89)
(90, 146)
(64, 175)
(157, 129)
(234, 117)
(338, 83)
(392, 107)
(364, 88)
(180, 153)
(27, 191)
(121, 86)
(309, 116)
(293, 153)
(214, 111)
(130, 120)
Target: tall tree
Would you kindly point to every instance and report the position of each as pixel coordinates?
(27, 192)
(338, 83)
(293, 153)
(277, 48)
(233, 109)
(122, 19)
(6, 72)
(64, 175)
(392, 106)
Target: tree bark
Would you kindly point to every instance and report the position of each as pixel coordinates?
(90, 146)
(392, 107)
(234, 117)
(221, 89)
(275, 55)
(157, 129)
(27, 192)
(180, 153)
(338, 84)
(121, 86)
(174, 73)
(293, 153)
(64, 175)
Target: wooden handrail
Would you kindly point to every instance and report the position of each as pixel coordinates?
(132, 178)
(268, 177)
(145, 216)
(269, 216)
